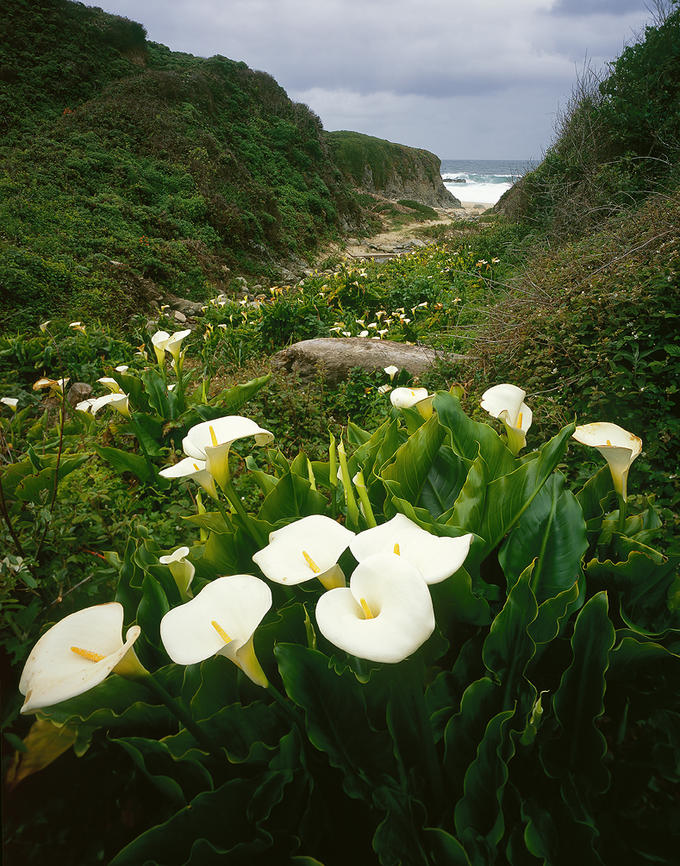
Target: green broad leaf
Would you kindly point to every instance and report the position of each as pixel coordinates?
(481, 701)
(177, 780)
(470, 439)
(152, 608)
(456, 602)
(130, 579)
(212, 520)
(595, 496)
(552, 832)
(443, 848)
(247, 733)
(509, 648)
(468, 509)
(509, 496)
(424, 473)
(578, 749)
(199, 830)
(336, 717)
(634, 657)
(355, 434)
(149, 432)
(126, 461)
(225, 553)
(551, 533)
(265, 482)
(11, 476)
(444, 693)
(115, 703)
(553, 612)
(134, 388)
(226, 402)
(291, 499)
(29, 488)
(298, 466)
(160, 399)
(646, 587)
(478, 815)
(395, 840)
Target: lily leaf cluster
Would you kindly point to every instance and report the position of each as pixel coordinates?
(426, 628)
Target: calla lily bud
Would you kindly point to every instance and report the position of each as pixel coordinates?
(181, 569)
(305, 549)
(11, 402)
(78, 653)
(505, 402)
(221, 620)
(211, 440)
(384, 615)
(618, 447)
(435, 558)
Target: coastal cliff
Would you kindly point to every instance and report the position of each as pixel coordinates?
(392, 170)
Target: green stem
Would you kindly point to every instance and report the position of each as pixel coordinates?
(252, 530)
(622, 515)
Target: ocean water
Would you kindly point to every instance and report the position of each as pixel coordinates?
(482, 180)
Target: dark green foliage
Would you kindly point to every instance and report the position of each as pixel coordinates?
(128, 167)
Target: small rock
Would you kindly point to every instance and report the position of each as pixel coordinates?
(77, 392)
(180, 317)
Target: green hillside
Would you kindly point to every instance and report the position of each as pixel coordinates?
(127, 166)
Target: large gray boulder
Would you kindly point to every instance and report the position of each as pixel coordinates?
(336, 356)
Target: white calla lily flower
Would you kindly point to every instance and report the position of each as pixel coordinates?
(78, 653)
(308, 548)
(181, 569)
(384, 614)
(117, 401)
(110, 384)
(174, 343)
(121, 368)
(192, 467)
(391, 371)
(506, 402)
(55, 385)
(211, 441)
(11, 402)
(405, 398)
(159, 341)
(618, 447)
(221, 620)
(435, 558)
(86, 405)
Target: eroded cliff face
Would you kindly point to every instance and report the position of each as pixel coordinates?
(391, 170)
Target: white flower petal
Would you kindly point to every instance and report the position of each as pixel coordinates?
(176, 556)
(404, 398)
(400, 604)
(283, 560)
(618, 447)
(435, 558)
(505, 398)
(235, 604)
(54, 672)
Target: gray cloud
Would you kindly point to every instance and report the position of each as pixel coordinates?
(408, 68)
(598, 7)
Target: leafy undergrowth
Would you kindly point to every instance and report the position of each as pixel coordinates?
(591, 329)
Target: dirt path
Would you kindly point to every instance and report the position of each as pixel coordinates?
(394, 242)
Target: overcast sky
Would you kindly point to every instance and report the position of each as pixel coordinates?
(466, 79)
